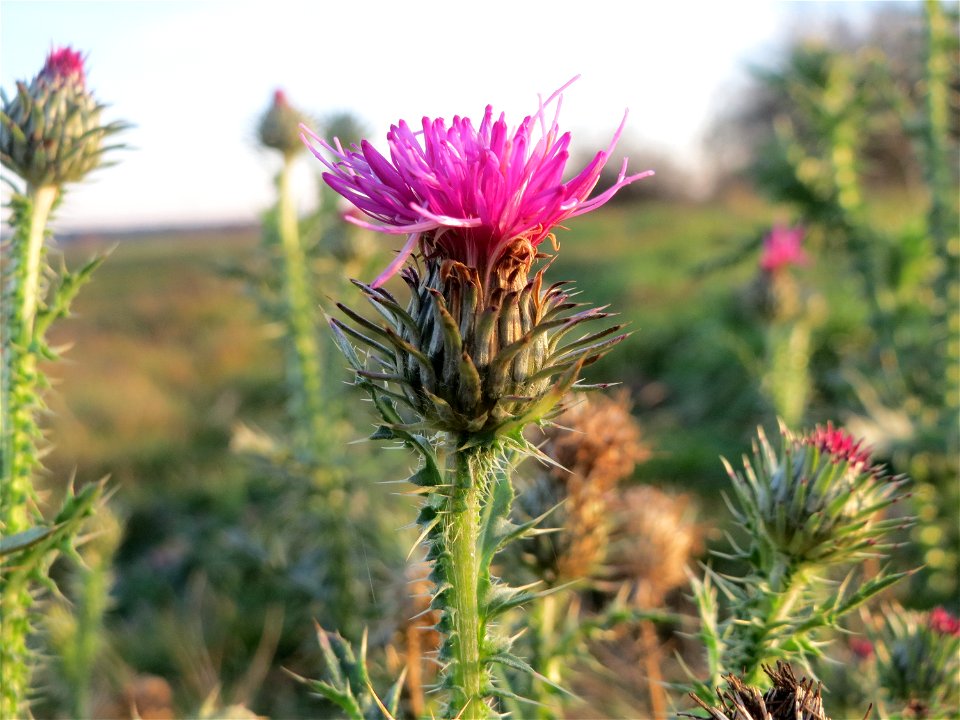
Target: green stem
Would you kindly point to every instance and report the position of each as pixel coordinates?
(547, 661)
(462, 538)
(43, 198)
(20, 381)
(19, 402)
(306, 385)
(785, 588)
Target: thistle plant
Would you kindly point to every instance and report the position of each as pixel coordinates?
(656, 537)
(482, 348)
(50, 135)
(279, 131)
(916, 661)
(817, 504)
(788, 324)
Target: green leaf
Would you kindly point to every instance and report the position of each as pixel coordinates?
(25, 539)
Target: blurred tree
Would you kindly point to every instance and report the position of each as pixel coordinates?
(891, 46)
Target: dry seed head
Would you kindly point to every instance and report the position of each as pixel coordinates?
(597, 443)
(50, 131)
(788, 699)
(596, 439)
(655, 538)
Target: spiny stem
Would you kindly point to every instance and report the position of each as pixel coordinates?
(463, 534)
(19, 401)
(20, 379)
(306, 384)
(786, 584)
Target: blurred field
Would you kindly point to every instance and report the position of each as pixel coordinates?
(167, 352)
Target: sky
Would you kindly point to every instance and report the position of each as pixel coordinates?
(194, 77)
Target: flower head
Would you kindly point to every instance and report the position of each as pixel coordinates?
(280, 126)
(918, 664)
(861, 647)
(941, 621)
(839, 445)
(64, 64)
(468, 193)
(50, 131)
(781, 248)
(818, 500)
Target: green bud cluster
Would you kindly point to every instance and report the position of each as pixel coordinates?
(50, 131)
(479, 358)
(812, 504)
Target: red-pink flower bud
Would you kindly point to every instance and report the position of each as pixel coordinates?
(64, 64)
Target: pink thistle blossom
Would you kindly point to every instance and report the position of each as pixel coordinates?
(467, 193)
(64, 63)
(839, 444)
(861, 647)
(941, 621)
(781, 248)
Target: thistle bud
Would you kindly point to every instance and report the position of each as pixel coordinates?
(280, 126)
(917, 660)
(475, 357)
(819, 500)
(50, 131)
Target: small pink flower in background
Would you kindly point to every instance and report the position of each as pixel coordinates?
(781, 248)
(64, 63)
(861, 647)
(468, 193)
(839, 444)
(943, 622)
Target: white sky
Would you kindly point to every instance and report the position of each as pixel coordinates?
(194, 78)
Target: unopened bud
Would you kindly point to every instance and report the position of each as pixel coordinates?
(50, 131)
(280, 126)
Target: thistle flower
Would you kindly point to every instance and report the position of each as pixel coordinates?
(782, 248)
(479, 348)
(279, 127)
(469, 195)
(941, 621)
(596, 444)
(50, 131)
(788, 699)
(819, 500)
(479, 353)
(917, 660)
